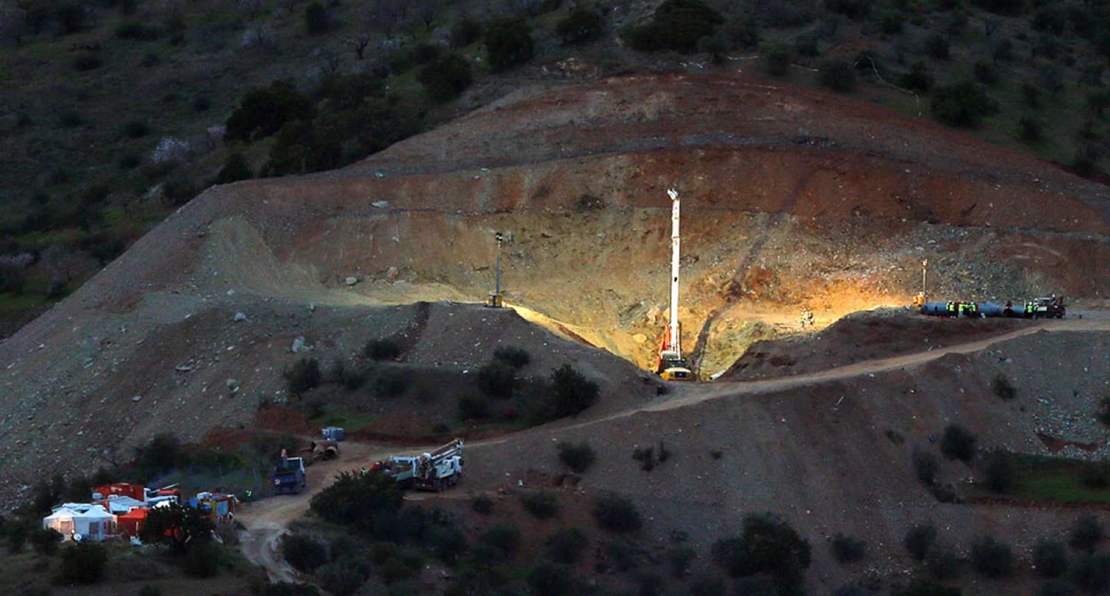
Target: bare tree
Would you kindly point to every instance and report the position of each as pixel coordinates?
(425, 11)
(330, 60)
(990, 25)
(359, 42)
(387, 16)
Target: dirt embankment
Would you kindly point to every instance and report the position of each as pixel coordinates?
(860, 337)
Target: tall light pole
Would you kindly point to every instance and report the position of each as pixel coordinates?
(924, 267)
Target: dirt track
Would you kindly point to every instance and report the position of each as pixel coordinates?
(266, 521)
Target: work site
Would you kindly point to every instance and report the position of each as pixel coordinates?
(648, 333)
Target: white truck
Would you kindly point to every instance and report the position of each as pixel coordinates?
(435, 470)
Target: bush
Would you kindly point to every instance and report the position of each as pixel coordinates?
(339, 578)
(542, 505)
(358, 500)
(991, 558)
(1003, 388)
(999, 471)
(958, 443)
(1050, 558)
(573, 392)
(45, 541)
(676, 25)
(264, 111)
(581, 25)
(135, 129)
(508, 44)
(778, 61)
(17, 534)
(961, 105)
(87, 62)
(1103, 414)
(924, 587)
(1032, 131)
(548, 579)
(919, 539)
(848, 549)
(473, 406)
(305, 553)
(767, 546)
(576, 457)
(1093, 573)
(985, 74)
(482, 504)
(715, 46)
(837, 75)
(917, 79)
(617, 514)
(235, 168)
(853, 9)
(503, 537)
(936, 46)
(708, 585)
(942, 562)
(925, 465)
(136, 31)
(565, 546)
(83, 563)
(446, 77)
(464, 32)
(202, 560)
(12, 278)
(150, 590)
(382, 349)
(317, 21)
(1057, 587)
(1086, 533)
(514, 357)
(496, 379)
(391, 383)
(303, 375)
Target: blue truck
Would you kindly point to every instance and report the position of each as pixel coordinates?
(288, 477)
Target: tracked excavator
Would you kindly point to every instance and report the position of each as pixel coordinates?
(672, 366)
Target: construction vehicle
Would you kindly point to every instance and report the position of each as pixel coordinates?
(288, 477)
(1047, 307)
(671, 366)
(496, 299)
(433, 471)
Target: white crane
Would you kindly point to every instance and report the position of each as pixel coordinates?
(671, 365)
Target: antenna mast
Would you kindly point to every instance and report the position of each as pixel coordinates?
(674, 343)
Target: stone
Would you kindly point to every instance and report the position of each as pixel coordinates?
(298, 344)
(350, 281)
(240, 317)
(137, 398)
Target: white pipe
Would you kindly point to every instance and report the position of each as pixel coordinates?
(674, 271)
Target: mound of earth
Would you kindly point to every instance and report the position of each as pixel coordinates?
(859, 337)
(790, 197)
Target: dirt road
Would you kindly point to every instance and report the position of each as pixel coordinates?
(266, 521)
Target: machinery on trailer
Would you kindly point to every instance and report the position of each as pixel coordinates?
(288, 477)
(434, 471)
(671, 365)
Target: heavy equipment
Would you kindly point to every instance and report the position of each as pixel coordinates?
(496, 299)
(288, 477)
(433, 471)
(671, 365)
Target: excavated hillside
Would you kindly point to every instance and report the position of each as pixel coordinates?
(791, 198)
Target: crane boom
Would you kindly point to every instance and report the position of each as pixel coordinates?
(675, 247)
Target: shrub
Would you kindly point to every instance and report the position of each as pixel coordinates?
(136, 31)
(958, 443)
(303, 375)
(1086, 533)
(925, 465)
(446, 77)
(565, 546)
(305, 553)
(264, 111)
(581, 25)
(317, 21)
(708, 585)
(848, 549)
(778, 61)
(464, 32)
(715, 46)
(87, 62)
(676, 25)
(17, 534)
(508, 44)
(503, 537)
(12, 278)
(924, 587)
(359, 500)
(150, 590)
(542, 504)
(473, 406)
(202, 560)
(45, 541)
(382, 349)
(767, 546)
(991, 558)
(616, 513)
(83, 563)
(340, 578)
(515, 357)
(573, 392)
(936, 46)
(482, 504)
(1050, 558)
(837, 75)
(942, 562)
(235, 168)
(999, 472)
(961, 105)
(576, 457)
(1057, 587)
(985, 74)
(1093, 573)
(919, 539)
(135, 129)
(548, 579)
(395, 570)
(853, 9)
(391, 383)
(917, 79)
(849, 590)
(1032, 131)
(496, 379)
(1003, 388)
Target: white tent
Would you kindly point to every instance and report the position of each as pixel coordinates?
(93, 523)
(119, 504)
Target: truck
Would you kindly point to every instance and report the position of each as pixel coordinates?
(288, 477)
(434, 471)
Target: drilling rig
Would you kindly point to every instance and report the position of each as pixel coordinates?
(671, 366)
